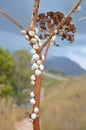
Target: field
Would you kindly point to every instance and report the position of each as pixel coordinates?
(63, 106)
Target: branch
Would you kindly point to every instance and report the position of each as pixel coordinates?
(77, 21)
(35, 13)
(46, 51)
(12, 20)
(61, 23)
(73, 8)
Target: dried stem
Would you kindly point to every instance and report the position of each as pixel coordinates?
(35, 13)
(61, 23)
(37, 90)
(77, 21)
(12, 20)
(73, 8)
(46, 51)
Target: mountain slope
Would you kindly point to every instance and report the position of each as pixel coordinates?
(64, 65)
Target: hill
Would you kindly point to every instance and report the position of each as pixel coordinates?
(64, 65)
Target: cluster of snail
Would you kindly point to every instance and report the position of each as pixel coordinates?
(37, 60)
(37, 64)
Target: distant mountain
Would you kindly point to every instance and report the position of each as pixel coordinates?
(64, 65)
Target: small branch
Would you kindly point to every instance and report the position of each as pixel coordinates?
(77, 21)
(61, 23)
(35, 13)
(12, 20)
(45, 43)
(73, 8)
(46, 52)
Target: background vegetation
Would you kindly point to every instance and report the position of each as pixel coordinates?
(63, 102)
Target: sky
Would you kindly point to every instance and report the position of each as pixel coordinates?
(12, 39)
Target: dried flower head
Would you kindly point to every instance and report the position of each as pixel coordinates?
(50, 22)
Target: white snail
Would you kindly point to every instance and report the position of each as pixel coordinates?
(32, 94)
(32, 82)
(32, 101)
(36, 109)
(23, 32)
(37, 72)
(33, 116)
(33, 77)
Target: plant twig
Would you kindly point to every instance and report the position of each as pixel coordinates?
(80, 19)
(61, 23)
(46, 51)
(12, 20)
(73, 8)
(35, 13)
(37, 90)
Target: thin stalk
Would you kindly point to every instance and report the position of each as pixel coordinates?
(37, 90)
(46, 52)
(73, 8)
(79, 20)
(12, 20)
(35, 13)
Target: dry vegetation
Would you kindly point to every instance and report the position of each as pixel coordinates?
(9, 115)
(63, 108)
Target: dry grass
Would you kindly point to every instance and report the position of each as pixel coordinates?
(9, 115)
(65, 107)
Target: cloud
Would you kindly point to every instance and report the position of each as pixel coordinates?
(22, 9)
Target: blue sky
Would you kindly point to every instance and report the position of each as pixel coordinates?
(11, 38)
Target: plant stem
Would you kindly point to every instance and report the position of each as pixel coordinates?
(46, 52)
(80, 19)
(12, 20)
(35, 13)
(73, 8)
(37, 90)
